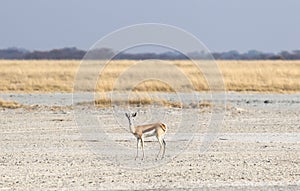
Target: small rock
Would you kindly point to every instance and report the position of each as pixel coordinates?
(267, 101)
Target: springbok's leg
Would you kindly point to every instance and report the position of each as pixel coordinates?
(160, 140)
(163, 155)
(137, 148)
(142, 143)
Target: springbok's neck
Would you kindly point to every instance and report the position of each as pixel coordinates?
(131, 127)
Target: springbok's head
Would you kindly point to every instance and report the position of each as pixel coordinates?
(130, 117)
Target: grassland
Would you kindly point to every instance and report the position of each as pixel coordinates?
(58, 76)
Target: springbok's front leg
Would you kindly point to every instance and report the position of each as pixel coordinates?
(142, 143)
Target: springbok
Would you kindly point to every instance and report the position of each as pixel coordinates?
(142, 131)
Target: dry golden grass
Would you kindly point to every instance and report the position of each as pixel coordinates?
(33, 75)
(58, 76)
(261, 76)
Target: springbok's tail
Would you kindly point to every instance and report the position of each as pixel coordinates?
(164, 127)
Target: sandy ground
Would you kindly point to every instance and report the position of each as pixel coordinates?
(45, 148)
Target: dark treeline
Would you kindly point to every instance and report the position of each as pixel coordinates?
(104, 53)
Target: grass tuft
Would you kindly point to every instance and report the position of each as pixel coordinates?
(106, 102)
(9, 104)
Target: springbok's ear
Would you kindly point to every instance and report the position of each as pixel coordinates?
(133, 115)
(126, 115)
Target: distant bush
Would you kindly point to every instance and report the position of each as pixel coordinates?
(106, 53)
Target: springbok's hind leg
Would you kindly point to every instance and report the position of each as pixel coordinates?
(163, 155)
(137, 148)
(161, 144)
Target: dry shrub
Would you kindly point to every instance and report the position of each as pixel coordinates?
(103, 102)
(106, 102)
(201, 104)
(205, 104)
(9, 104)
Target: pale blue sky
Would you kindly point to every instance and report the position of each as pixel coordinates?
(266, 25)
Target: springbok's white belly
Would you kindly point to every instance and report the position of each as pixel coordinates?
(149, 133)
